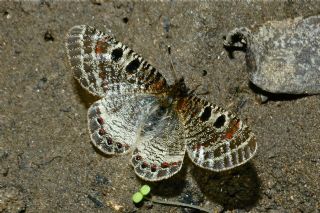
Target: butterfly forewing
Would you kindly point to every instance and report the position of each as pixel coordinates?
(215, 139)
(105, 66)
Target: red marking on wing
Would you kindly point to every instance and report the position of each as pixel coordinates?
(233, 128)
(153, 168)
(99, 47)
(109, 141)
(102, 131)
(100, 120)
(159, 85)
(165, 165)
(144, 165)
(174, 164)
(119, 145)
(182, 105)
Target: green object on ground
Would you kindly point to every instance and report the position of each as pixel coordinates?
(137, 197)
(145, 190)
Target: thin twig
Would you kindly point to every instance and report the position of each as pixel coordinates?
(178, 204)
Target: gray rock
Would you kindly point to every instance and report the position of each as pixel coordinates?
(282, 56)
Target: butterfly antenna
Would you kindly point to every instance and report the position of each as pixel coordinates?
(193, 91)
(174, 73)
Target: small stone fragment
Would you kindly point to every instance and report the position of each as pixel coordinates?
(48, 36)
(282, 56)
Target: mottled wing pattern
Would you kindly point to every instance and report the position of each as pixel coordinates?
(160, 147)
(114, 121)
(105, 66)
(215, 138)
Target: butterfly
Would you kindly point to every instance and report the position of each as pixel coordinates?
(138, 112)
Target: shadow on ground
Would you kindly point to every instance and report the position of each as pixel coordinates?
(276, 96)
(235, 189)
(85, 97)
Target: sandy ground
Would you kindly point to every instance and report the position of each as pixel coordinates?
(47, 161)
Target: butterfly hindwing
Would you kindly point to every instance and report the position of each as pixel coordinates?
(114, 121)
(160, 147)
(216, 140)
(103, 65)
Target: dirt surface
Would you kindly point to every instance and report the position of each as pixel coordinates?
(47, 161)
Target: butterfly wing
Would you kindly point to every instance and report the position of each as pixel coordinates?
(109, 69)
(104, 66)
(114, 121)
(138, 122)
(160, 147)
(216, 139)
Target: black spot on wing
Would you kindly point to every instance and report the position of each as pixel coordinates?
(116, 54)
(133, 66)
(206, 114)
(220, 121)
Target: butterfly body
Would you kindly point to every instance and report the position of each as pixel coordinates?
(140, 113)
